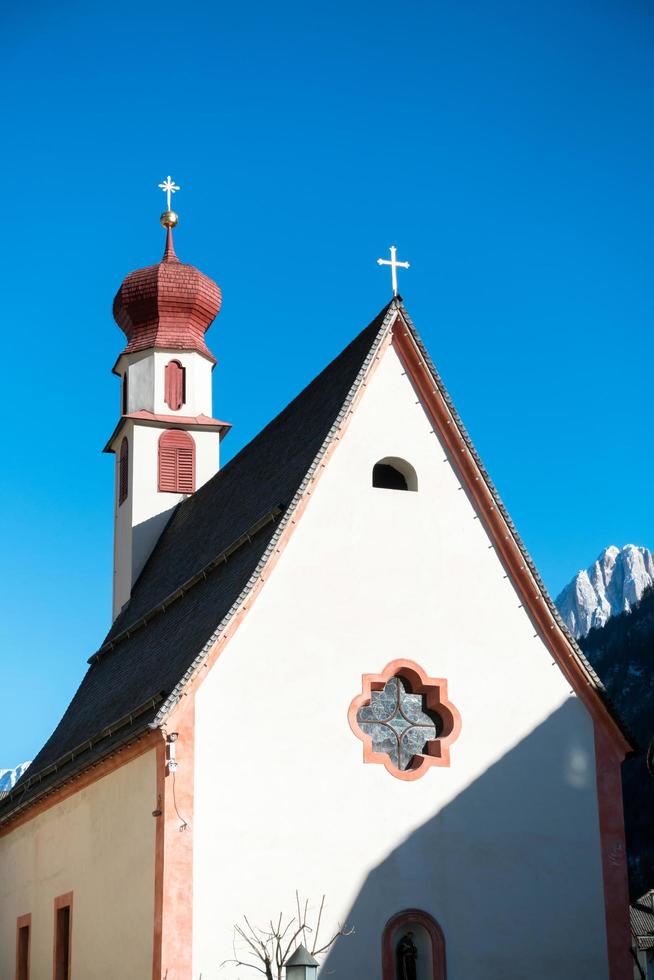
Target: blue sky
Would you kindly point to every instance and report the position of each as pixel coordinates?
(506, 148)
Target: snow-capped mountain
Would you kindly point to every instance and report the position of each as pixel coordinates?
(9, 777)
(613, 584)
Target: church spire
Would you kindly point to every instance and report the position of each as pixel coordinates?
(166, 441)
(169, 252)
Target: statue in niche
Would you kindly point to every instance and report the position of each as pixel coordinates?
(406, 954)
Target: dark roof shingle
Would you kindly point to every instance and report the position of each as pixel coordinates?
(140, 665)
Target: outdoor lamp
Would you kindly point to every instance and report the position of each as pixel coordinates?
(301, 965)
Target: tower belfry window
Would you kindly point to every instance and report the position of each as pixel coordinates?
(175, 385)
(176, 462)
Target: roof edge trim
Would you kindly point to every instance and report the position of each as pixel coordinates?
(211, 566)
(503, 533)
(88, 744)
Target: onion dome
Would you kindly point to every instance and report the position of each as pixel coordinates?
(169, 305)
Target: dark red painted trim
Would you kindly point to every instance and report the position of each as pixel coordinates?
(176, 462)
(406, 920)
(174, 385)
(123, 472)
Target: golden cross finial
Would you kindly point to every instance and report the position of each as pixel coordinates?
(169, 219)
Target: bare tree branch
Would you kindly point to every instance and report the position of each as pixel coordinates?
(272, 947)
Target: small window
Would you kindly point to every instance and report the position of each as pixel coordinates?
(393, 473)
(175, 385)
(124, 393)
(62, 938)
(23, 927)
(123, 472)
(176, 462)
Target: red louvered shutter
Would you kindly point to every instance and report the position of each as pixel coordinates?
(123, 472)
(174, 385)
(176, 462)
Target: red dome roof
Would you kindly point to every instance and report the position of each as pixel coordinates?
(170, 304)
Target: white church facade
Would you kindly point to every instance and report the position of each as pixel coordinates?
(333, 669)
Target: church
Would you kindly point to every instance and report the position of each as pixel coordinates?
(298, 699)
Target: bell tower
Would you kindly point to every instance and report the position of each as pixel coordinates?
(166, 442)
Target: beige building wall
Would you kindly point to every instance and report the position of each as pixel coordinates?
(98, 843)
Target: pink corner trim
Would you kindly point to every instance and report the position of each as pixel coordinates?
(434, 690)
(614, 855)
(182, 419)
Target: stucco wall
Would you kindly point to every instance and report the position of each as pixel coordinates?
(142, 517)
(146, 382)
(139, 521)
(502, 848)
(140, 382)
(99, 844)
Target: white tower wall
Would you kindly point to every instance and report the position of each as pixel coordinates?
(146, 372)
(142, 516)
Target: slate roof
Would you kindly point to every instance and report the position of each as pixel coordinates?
(202, 563)
(642, 921)
(205, 560)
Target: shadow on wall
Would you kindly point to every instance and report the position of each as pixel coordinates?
(146, 534)
(510, 869)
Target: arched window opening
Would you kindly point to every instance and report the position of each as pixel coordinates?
(413, 947)
(175, 385)
(393, 473)
(124, 393)
(176, 462)
(123, 472)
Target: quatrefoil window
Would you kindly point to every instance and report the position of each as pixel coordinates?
(405, 720)
(397, 722)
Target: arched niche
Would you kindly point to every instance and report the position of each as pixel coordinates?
(394, 473)
(428, 939)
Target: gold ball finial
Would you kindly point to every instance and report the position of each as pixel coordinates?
(169, 219)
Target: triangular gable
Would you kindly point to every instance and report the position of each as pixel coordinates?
(206, 570)
(399, 330)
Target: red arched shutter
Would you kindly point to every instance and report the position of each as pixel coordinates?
(175, 385)
(176, 462)
(123, 472)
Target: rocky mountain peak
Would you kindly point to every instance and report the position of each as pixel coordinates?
(613, 584)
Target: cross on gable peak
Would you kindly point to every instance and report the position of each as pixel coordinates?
(395, 265)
